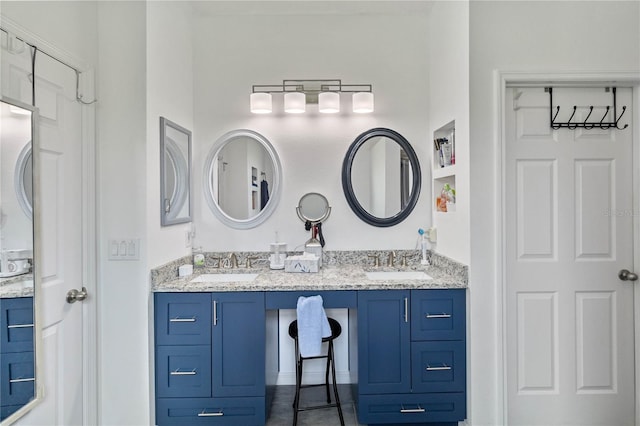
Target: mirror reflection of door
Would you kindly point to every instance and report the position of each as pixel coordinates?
(239, 195)
(381, 176)
(17, 364)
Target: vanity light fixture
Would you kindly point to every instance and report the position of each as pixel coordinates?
(329, 102)
(295, 102)
(261, 103)
(324, 92)
(362, 102)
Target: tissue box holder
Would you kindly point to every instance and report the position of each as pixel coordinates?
(296, 264)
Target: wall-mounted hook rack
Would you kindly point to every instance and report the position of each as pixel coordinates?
(586, 124)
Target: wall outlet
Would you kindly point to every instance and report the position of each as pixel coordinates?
(432, 234)
(124, 249)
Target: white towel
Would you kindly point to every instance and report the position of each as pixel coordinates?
(312, 325)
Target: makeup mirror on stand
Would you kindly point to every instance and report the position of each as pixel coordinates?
(313, 209)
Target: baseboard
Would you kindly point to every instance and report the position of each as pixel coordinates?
(342, 377)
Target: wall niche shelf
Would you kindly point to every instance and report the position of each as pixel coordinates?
(444, 172)
(444, 177)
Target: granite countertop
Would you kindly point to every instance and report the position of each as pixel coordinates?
(330, 277)
(19, 286)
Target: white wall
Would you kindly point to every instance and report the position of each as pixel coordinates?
(170, 95)
(233, 52)
(68, 25)
(526, 37)
(123, 289)
(449, 100)
(145, 73)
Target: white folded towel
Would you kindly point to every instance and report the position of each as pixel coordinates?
(312, 325)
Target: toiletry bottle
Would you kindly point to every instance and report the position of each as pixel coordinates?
(198, 257)
(422, 240)
(313, 246)
(442, 201)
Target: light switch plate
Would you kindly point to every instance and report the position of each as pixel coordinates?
(124, 249)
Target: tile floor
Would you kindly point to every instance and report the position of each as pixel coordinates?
(282, 411)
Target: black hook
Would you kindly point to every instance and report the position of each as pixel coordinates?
(603, 126)
(569, 122)
(624, 108)
(585, 120)
(554, 119)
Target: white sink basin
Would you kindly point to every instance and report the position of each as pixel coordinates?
(224, 278)
(397, 275)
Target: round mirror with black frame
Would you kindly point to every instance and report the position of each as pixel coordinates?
(381, 177)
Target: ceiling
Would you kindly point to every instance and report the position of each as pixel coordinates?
(310, 7)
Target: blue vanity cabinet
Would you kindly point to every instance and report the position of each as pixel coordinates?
(411, 357)
(210, 358)
(239, 334)
(384, 352)
(17, 373)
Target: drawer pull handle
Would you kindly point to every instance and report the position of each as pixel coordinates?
(205, 414)
(412, 410)
(32, 379)
(441, 368)
(20, 326)
(183, 373)
(178, 319)
(442, 315)
(406, 309)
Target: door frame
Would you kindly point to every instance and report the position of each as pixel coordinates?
(89, 226)
(501, 80)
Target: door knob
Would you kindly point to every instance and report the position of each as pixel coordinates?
(74, 295)
(625, 275)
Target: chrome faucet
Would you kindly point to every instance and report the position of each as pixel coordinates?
(376, 259)
(392, 258)
(248, 260)
(231, 262)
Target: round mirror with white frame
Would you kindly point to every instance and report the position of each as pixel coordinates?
(23, 180)
(242, 179)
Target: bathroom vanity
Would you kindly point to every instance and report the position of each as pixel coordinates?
(17, 369)
(214, 342)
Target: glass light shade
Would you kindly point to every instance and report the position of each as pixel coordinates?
(295, 102)
(329, 102)
(362, 102)
(260, 103)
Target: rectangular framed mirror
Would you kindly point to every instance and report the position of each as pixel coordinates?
(175, 173)
(20, 337)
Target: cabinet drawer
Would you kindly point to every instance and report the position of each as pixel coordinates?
(17, 378)
(411, 408)
(183, 371)
(438, 314)
(16, 324)
(438, 366)
(183, 318)
(211, 411)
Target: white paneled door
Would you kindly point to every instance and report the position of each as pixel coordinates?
(59, 207)
(568, 233)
